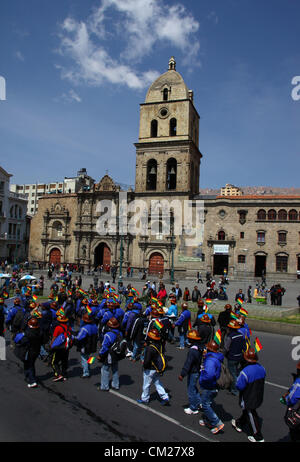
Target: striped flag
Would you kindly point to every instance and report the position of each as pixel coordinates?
(233, 316)
(91, 360)
(208, 301)
(257, 345)
(34, 297)
(158, 325)
(5, 294)
(243, 312)
(88, 309)
(240, 301)
(218, 336)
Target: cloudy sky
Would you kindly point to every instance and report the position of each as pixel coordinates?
(76, 72)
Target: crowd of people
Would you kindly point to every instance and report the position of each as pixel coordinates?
(109, 325)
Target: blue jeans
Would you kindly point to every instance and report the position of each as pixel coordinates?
(85, 365)
(136, 351)
(151, 376)
(207, 397)
(182, 340)
(233, 369)
(105, 370)
(193, 392)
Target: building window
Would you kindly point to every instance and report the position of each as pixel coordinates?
(221, 236)
(281, 263)
(153, 128)
(261, 237)
(272, 215)
(173, 127)
(165, 94)
(261, 215)
(282, 215)
(151, 175)
(241, 258)
(242, 235)
(282, 237)
(57, 229)
(242, 214)
(171, 174)
(293, 215)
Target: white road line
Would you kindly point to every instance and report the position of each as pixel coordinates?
(163, 416)
(278, 386)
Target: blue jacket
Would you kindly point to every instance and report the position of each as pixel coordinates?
(109, 340)
(172, 311)
(211, 370)
(117, 313)
(129, 321)
(86, 331)
(12, 313)
(294, 393)
(183, 320)
(250, 384)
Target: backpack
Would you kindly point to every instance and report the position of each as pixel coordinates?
(118, 349)
(160, 362)
(292, 416)
(63, 341)
(225, 380)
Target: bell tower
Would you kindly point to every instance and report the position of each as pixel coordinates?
(167, 153)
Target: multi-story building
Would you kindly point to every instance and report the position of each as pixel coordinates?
(231, 190)
(33, 192)
(14, 231)
(242, 234)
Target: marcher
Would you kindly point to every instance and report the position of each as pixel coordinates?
(224, 319)
(191, 370)
(109, 362)
(86, 342)
(234, 347)
(2, 316)
(183, 324)
(30, 345)
(292, 399)
(151, 374)
(250, 384)
(209, 374)
(60, 351)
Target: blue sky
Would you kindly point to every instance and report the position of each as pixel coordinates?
(76, 72)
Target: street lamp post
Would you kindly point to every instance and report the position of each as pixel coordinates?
(245, 267)
(172, 249)
(121, 258)
(16, 247)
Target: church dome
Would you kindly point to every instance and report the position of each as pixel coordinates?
(168, 86)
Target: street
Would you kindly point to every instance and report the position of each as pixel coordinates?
(76, 410)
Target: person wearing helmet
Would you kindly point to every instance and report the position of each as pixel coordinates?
(250, 383)
(86, 342)
(112, 333)
(292, 399)
(223, 320)
(183, 324)
(191, 370)
(209, 374)
(172, 314)
(31, 344)
(17, 311)
(60, 358)
(234, 346)
(153, 351)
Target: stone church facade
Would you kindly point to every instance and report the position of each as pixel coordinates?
(245, 235)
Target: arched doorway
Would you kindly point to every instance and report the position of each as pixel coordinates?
(55, 256)
(102, 255)
(156, 264)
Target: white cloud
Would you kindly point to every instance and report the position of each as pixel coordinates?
(69, 97)
(19, 56)
(135, 25)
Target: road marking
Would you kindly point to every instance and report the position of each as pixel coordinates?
(278, 386)
(163, 416)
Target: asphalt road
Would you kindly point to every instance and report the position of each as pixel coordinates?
(76, 411)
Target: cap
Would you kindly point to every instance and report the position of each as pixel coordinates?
(33, 323)
(184, 306)
(154, 334)
(212, 346)
(205, 318)
(234, 324)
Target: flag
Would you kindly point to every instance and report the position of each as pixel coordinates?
(240, 301)
(88, 309)
(243, 312)
(208, 301)
(5, 294)
(91, 360)
(190, 324)
(158, 325)
(34, 297)
(70, 292)
(218, 336)
(257, 345)
(233, 316)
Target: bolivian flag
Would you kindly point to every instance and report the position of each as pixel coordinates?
(233, 315)
(34, 297)
(158, 325)
(257, 345)
(243, 312)
(218, 336)
(240, 301)
(208, 301)
(91, 360)
(5, 294)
